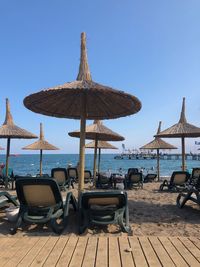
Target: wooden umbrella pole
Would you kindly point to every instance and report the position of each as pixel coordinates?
(40, 162)
(183, 153)
(95, 161)
(158, 164)
(7, 161)
(82, 145)
(99, 160)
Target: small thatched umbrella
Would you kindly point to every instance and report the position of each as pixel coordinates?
(41, 145)
(100, 145)
(158, 144)
(9, 130)
(83, 99)
(98, 132)
(181, 130)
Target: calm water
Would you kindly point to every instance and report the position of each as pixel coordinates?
(29, 164)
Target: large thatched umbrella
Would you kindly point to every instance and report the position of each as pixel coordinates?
(158, 144)
(41, 145)
(98, 132)
(100, 145)
(181, 130)
(10, 131)
(83, 99)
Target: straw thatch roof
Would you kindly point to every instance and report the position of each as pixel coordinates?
(41, 144)
(98, 131)
(65, 101)
(101, 144)
(182, 128)
(10, 130)
(158, 143)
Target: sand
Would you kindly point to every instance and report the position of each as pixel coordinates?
(152, 213)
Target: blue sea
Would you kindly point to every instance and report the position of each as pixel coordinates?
(29, 163)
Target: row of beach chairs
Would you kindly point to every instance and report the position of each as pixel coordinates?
(40, 202)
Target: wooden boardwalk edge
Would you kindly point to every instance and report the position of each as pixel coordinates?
(111, 251)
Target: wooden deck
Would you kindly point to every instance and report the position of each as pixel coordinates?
(109, 251)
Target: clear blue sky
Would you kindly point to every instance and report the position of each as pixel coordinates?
(148, 48)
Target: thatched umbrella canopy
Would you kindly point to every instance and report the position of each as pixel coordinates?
(41, 145)
(10, 131)
(158, 144)
(98, 132)
(100, 145)
(182, 129)
(83, 99)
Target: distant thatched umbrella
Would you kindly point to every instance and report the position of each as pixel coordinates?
(100, 145)
(83, 99)
(181, 130)
(41, 145)
(10, 130)
(98, 132)
(158, 144)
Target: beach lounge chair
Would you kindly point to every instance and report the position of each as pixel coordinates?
(72, 173)
(87, 176)
(103, 181)
(41, 203)
(194, 176)
(133, 180)
(60, 175)
(191, 194)
(150, 177)
(103, 208)
(6, 199)
(178, 181)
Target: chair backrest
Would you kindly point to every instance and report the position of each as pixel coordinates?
(72, 173)
(59, 174)
(195, 173)
(135, 177)
(133, 170)
(103, 178)
(150, 176)
(87, 175)
(179, 177)
(38, 192)
(116, 198)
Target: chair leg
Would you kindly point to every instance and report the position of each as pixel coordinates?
(17, 225)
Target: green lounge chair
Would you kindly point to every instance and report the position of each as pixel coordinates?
(194, 176)
(150, 177)
(192, 194)
(6, 199)
(178, 181)
(41, 203)
(61, 177)
(133, 180)
(72, 173)
(103, 208)
(87, 176)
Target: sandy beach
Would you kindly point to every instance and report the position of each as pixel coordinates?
(152, 213)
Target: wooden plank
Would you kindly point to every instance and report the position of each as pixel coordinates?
(56, 252)
(13, 261)
(12, 250)
(44, 252)
(191, 247)
(114, 257)
(185, 253)
(7, 242)
(28, 259)
(173, 253)
(195, 241)
(102, 252)
(125, 252)
(67, 252)
(79, 252)
(138, 255)
(150, 255)
(90, 253)
(161, 252)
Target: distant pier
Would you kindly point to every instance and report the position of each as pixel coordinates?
(174, 156)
